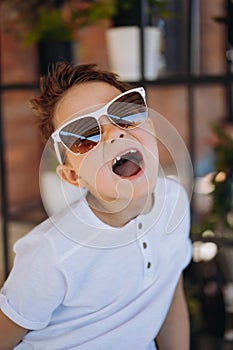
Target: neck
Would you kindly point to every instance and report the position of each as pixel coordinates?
(114, 215)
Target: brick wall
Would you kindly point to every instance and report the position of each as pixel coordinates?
(20, 65)
(22, 142)
(23, 147)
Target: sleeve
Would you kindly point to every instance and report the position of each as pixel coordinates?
(35, 286)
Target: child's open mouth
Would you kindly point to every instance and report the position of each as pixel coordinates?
(128, 164)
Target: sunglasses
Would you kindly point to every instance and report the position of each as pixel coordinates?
(83, 133)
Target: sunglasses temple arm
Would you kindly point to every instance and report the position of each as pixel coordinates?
(56, 148)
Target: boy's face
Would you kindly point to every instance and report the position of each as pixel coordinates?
(104, 171)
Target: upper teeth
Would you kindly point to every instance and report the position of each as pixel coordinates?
(119, 157)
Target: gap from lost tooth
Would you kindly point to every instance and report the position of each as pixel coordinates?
(127, 164)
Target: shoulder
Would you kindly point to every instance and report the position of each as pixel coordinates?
(172, 193)
(175, 219)
(47, 238)
(174, 203)
(170, 187)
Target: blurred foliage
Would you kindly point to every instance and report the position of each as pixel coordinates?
(222, 194)
(157, 6)
(60, 20)
(223, 149)
(129, 12)
(54, 19)
(220, 217)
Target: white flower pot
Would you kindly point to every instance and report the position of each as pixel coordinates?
(123, 45)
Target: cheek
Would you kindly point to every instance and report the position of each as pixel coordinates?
(88, 166)
(146, 137)
(93, 169)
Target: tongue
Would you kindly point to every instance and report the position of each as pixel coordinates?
(127, 168)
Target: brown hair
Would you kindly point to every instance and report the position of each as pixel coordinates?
(60, 78)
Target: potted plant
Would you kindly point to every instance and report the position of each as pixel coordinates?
(218, 218)
(221, 216)
(124, 38)
(53, 24)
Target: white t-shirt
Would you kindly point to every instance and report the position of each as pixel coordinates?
(75, 292)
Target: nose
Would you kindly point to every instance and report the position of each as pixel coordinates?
(110, 131)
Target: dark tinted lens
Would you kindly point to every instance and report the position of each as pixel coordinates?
(128, 111)
(80, 136)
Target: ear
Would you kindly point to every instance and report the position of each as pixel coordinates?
(68, 174)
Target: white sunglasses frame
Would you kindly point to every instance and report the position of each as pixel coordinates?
(96, 115)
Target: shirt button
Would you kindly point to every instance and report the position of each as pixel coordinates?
(149, 265)
(144, 245)
(140, 225)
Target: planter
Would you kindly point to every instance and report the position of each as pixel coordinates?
(123, 45)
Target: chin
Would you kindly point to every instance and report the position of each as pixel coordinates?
(142, 190)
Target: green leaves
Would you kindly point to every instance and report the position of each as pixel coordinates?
(50, 26)
(223, 149)
(53, 20)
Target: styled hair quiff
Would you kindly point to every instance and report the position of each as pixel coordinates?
(61, 77)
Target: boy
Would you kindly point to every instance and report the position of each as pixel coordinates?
(104, 273)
